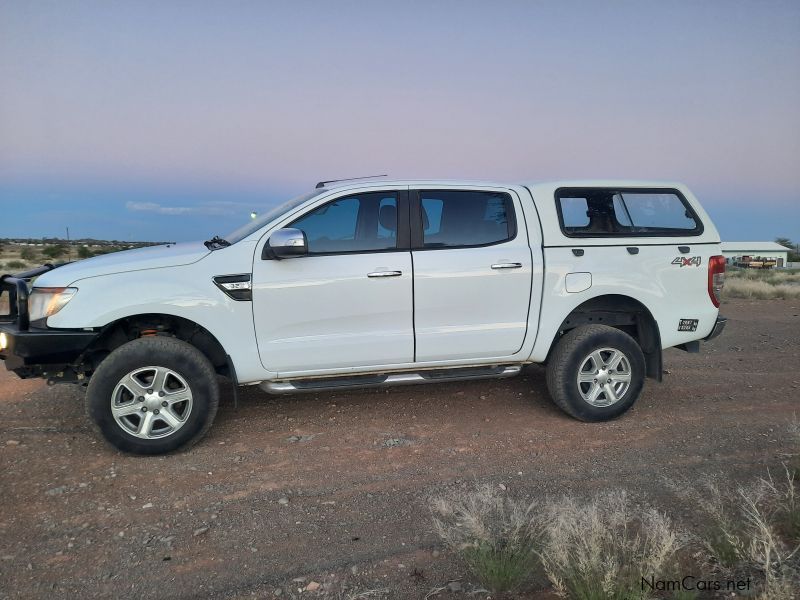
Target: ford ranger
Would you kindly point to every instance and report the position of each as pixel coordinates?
(366, 283)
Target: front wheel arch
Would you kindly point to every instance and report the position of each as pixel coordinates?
(123, 330)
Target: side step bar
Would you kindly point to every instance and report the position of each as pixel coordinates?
(389, 379)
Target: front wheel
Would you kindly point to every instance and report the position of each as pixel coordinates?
(153, 395)
(596, 373)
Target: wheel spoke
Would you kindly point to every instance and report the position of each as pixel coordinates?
(599, 363)
(179, 396)
(169, 418)
(587, 377)
(614, 360)
(159, 380)
(611, 394)
(622, 377)
(594, 392)
(126, 410)
(132, 385)
(145, 425)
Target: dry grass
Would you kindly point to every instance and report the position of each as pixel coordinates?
(595, 550)
(601, 549)
(497, 537)
(753, 531)
(771, 276)
(739, 287)
(762, 284)
(794, 436)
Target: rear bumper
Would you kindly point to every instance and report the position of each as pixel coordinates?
(718, 328)
(32, 352)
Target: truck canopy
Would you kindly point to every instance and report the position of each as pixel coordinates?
(620, 212)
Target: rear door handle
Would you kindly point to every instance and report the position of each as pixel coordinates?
(385, 274)
(508, 265)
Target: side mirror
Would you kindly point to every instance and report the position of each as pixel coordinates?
(285, 243)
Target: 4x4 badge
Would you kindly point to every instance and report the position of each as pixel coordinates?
(693, 261)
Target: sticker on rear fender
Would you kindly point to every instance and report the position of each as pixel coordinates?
(688, 324)
(692, 261)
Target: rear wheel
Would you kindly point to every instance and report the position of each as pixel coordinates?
(153, 395)
(596, 373)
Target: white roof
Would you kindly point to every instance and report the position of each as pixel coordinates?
(753, 247)
(381, 181)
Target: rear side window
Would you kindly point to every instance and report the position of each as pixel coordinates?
(598, 212)
(461, 218)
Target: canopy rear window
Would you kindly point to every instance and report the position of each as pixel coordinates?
(631, 212)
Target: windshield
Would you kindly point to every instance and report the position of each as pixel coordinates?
(257, 223)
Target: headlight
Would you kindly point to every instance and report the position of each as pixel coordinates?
(45, 302)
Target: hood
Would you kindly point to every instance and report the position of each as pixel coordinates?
(150, 257)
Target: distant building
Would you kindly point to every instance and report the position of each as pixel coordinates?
(735, 252)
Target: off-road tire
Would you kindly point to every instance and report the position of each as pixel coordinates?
(160, 351)
(566, 360)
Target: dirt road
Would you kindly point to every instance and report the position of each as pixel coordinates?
(332, 488)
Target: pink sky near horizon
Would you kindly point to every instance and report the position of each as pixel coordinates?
(275, 95)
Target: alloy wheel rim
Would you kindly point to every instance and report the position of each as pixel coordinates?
(604, 377)
(151, 402)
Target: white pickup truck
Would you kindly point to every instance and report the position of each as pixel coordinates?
(365, 283)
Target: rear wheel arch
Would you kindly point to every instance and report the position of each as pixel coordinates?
(624, 313)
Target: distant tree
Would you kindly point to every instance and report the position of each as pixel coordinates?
(54, 251)
(28, 253)
(84, 252)
(794, 255)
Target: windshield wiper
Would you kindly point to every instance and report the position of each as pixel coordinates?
(216, 242)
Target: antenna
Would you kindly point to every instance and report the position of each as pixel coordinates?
(322, 184)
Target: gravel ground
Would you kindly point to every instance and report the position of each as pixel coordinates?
(326, 493)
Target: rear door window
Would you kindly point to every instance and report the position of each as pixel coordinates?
(599, 212)
(465, 218)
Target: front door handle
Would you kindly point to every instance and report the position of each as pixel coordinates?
(508, 265)
(385, 274)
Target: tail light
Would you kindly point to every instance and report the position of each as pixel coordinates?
(716, 278)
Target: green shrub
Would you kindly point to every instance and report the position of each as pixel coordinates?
(28, 253)
(55, 251)
(15, 264)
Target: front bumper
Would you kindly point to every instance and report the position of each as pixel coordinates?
(35, 351)
(718, 327)
(28, 348)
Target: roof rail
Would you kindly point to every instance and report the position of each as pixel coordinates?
(322, 184)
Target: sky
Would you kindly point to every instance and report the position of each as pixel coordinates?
(173, 120)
